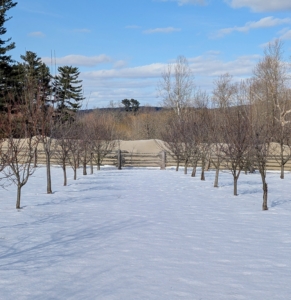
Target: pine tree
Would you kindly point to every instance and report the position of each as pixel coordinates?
(34, 78)
(68, 91)
(6, 68)
(131, 105)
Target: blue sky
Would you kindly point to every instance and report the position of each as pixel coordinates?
(121, 47)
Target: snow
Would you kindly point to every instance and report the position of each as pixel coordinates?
(143, 233)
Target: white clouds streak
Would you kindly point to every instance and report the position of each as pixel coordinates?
(82, 30)
(148, 71)
(36, 34)
(140, 82)
(212, 65)
(132, 27)
(286, 35)
(184, 2)
(262, 23)
(79, 60)
(261, 5)
(119, 64)
(204, 65)
(161, 30)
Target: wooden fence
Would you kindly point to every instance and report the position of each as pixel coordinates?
(161, 160)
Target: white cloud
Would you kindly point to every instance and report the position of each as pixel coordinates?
(79, 60)
(286, 35)
(161, 30)
(211, 66)
(119, 64)
(36, 34)
(132, 27)
(262, 23)
(184, 2)
(140, 82)
(147, 71)
(82, 30)
(261, 5)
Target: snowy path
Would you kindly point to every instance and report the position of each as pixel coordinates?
(146, 234)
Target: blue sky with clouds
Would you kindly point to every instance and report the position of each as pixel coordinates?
(122, 46)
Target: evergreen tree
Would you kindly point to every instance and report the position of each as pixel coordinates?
(130, 105)
(68, 91)
(34, 78)
(6, 68)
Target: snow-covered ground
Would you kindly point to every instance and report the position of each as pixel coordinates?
(146, 234)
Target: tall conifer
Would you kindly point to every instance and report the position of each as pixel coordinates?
(68, 90)
(6, 69)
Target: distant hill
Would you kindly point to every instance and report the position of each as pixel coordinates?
(141, 108)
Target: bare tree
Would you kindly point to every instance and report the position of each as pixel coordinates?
(20, 164)
(271, 87)
(280, 149)
(195, 140)
(102, 136)
(202, 112)
(174, 142)
(260, 143)
(4, 155)
(236, 134)
(85, 147)
(215, 137)
(20, 145)
(74, 146)
(224, 92)
(223, 97)
(188, 134)
(236, 144)
(62, 146)
(177, 85)
(45, 138)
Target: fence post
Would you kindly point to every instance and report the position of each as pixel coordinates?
(164, 160)
(119, 160)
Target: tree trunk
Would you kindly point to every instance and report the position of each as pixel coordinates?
(208, 163)
(282, 171)
(98, 162)
(78, 159)
(235, 178)
(178, 164)
(216, 177)
(85, 163)
(281, 160)
(163, 160)
(265, 196)
(65, 173)
(75, 173)
(84, 168)
(35, 158)
(202, 174)
(202, 169)
(186, 166)
(194, 170)
(48, 175)
(91, 163)
(18, 196)
(119, 160)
